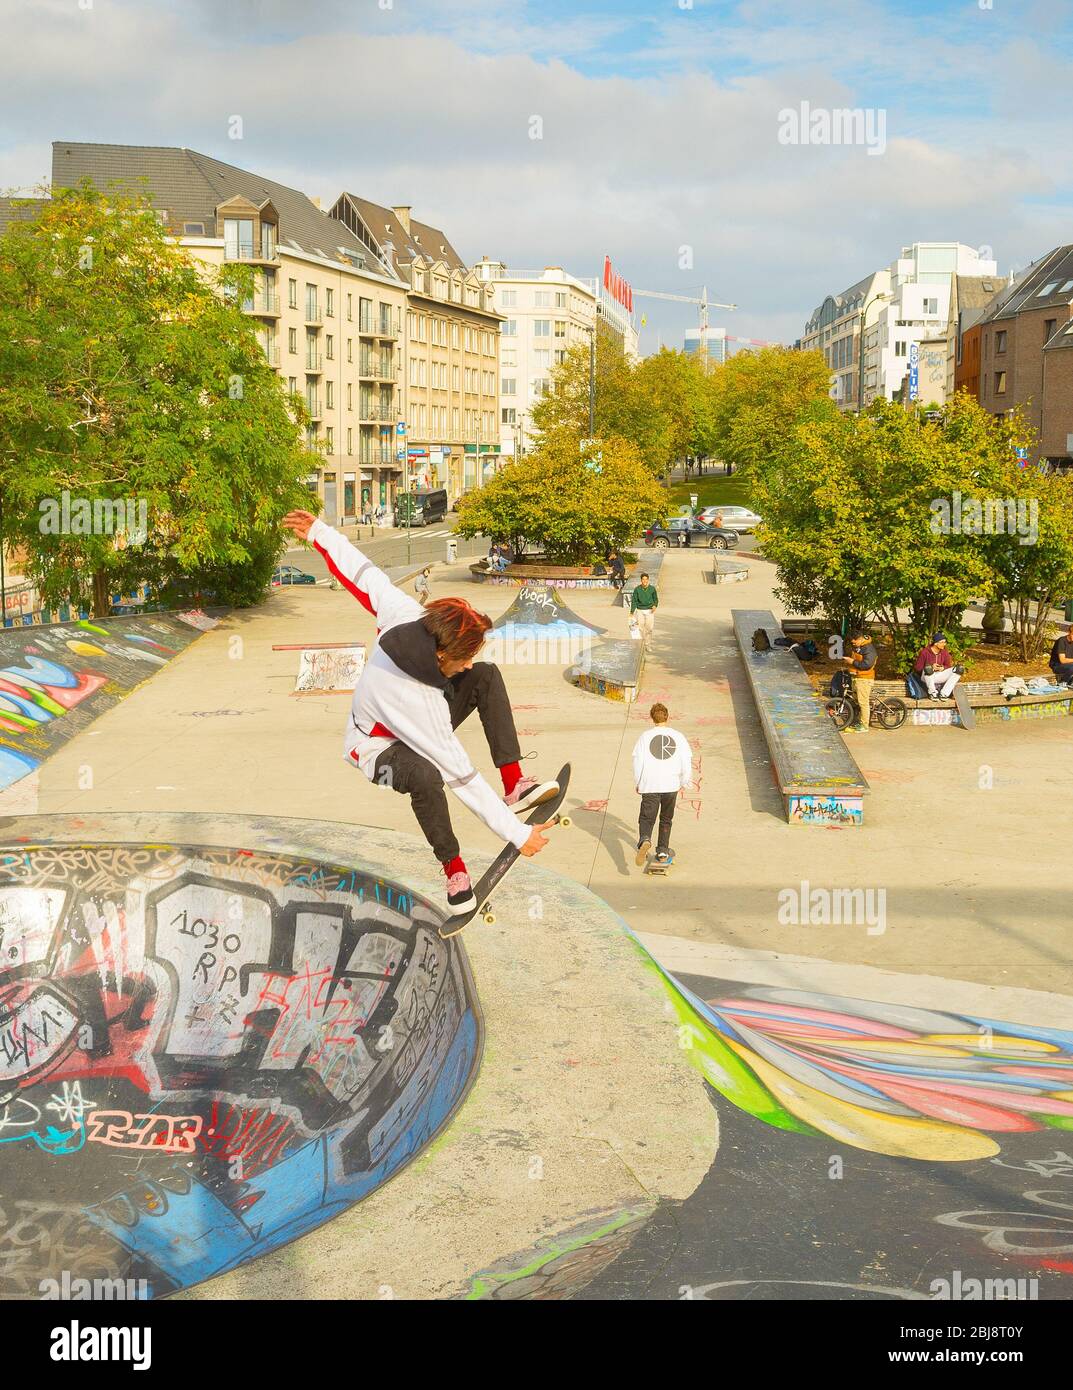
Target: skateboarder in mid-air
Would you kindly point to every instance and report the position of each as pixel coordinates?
(662, 766)
(418, 685)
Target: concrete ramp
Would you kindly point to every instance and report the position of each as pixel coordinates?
(538, 611)
(207, 1051)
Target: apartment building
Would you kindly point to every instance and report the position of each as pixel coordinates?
(546, 313)
(916, 309)
(329, 313)
(450, 383)
(970, 296)
(1025, 364)
(835, 330)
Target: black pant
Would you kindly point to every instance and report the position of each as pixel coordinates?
(482, 689)
(1063, 675)
(651, 804)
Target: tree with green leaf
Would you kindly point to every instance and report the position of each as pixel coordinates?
(131, 375)
(759, 396)
(571, 506)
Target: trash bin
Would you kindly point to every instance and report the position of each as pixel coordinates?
(452, 551)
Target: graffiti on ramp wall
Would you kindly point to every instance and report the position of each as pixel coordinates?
(54, 681)
(205, 1053)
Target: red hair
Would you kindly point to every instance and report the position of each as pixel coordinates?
(457, 627)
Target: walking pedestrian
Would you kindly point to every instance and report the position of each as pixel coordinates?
(643, 604)
(662, 767)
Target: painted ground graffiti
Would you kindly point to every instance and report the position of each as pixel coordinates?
(56, 680)
(206, 1052)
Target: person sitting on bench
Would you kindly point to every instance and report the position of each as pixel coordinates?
(1061, 662)
(935, 667)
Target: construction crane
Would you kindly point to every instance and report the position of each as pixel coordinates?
(703, 302)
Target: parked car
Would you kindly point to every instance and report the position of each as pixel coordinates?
(734, 518)
(663, 534)
(289, 574)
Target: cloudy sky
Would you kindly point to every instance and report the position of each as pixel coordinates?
(658, 121)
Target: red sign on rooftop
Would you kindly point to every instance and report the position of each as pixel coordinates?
(617, 287)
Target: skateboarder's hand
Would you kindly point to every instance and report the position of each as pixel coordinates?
(536, 840)
(299, 523)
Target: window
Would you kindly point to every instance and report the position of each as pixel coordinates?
(350, 307)
(329, 395)
(899, 349)
(542, 299)
(1047, 289)
(292, 339)
(350, 441)
(1065, 288)
(509, 415)
(329, 346)
(1000, 340)
(329, 304)
(349, 396)
(454, 421)
(509, 386)
(365, 315)
(268, 241)
(542, 328)
(560, 328)
(454, 335)
(509, 329)
(931, 306)
(560, 299)
(1048, 329)
(238, 238)
(312, 309)
(329, 439)
(1000, 383)
(509, 299)
(292, 384)
(560, 356)
(193, 229)
(542, 357)
(292, 294)
(350, 349)
(456, 378)
(541, 386)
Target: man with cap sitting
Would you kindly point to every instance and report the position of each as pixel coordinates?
(935, 667)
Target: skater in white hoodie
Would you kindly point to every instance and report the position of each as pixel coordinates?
(662, 766)
(418, 685)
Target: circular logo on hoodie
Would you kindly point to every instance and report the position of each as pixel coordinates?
(662, 746)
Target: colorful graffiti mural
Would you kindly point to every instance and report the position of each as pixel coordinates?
(206, 1052)
(56, 680)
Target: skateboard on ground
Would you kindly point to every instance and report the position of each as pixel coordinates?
(501, 864)
(658, 867)
(961, 699)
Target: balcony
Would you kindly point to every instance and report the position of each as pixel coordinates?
(365, 327)
(314, 362)
(314, 315)
(252, 255)
(378, 458)
(370, 414)
(262, 305)
(271, 355)
(370, 369)
(385, 332)
(313, 406)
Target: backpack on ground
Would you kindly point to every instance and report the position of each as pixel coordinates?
(805, 651)
(840, 684)
(915, 687)
(761, 641)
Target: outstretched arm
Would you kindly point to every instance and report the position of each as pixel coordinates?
(355, 571)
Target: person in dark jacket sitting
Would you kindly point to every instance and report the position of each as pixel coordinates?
(1061, 662)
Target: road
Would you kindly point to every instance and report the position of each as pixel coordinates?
(389, 547)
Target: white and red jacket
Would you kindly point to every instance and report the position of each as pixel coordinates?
(400, 696)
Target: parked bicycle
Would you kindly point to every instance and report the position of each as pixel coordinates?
(886, 710)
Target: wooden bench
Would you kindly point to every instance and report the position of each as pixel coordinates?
(986, 701)
(817, 776)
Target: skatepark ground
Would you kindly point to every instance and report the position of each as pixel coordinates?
(582, 1082)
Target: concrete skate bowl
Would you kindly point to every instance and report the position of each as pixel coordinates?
(538, 626)
(207, 1052)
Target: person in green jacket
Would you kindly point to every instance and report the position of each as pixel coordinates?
(643, 604)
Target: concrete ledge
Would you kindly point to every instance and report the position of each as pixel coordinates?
(585, 1105)
(612, 669)
(816, 774)
(729, 572)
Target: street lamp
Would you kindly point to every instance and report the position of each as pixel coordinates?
(860, 369)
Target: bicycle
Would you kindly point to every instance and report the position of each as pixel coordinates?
(885, 710)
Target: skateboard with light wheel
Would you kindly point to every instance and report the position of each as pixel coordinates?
(658, 867)
(544, 811)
